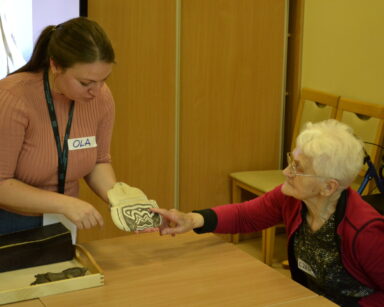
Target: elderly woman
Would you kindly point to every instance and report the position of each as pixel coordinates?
(335, 239)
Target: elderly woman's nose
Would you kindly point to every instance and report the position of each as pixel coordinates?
(287, 172)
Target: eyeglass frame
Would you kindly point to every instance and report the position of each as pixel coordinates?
(293, 171)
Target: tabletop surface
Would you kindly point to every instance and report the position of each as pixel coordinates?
(185, 270)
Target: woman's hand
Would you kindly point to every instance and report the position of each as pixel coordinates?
(22, 198)
(175, 222)
(82, 214)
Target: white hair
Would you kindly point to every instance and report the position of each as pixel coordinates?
(334, 150)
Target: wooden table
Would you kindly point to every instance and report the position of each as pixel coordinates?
(30, 303)
(317, 301)
(186, 270)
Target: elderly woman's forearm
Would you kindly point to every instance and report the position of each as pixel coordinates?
(197, 219)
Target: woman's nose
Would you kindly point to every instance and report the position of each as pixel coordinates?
(94, 90)
(287, 172)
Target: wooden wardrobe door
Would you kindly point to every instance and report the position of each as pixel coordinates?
(230, 111)
(232, 88)
(143, 86)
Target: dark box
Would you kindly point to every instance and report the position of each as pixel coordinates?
(34, 247)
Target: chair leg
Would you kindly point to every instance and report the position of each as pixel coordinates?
(235, 238)
(236, 198)
(268, 244)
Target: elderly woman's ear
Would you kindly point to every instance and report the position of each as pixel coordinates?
(330, 187)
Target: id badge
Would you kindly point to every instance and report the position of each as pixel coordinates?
(305, 267)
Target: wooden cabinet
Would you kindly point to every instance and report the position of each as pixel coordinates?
(198, 86)
(232, 65)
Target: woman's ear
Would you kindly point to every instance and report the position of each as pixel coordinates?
(330, 187)
(54, 67)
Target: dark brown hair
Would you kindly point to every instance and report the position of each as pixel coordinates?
(78, 40)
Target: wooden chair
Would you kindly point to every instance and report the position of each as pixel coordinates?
(313, 106)
(367, 121)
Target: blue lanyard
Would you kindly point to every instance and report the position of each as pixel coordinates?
(62, 153)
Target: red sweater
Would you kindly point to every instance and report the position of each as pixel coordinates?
(360, 229)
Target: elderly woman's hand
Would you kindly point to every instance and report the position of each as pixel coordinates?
(175, 222)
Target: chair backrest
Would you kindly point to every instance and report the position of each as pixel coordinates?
(367, 121)
(314, 106)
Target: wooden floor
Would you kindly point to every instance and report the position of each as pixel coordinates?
(253, 247)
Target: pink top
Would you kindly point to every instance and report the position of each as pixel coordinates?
(27, 145)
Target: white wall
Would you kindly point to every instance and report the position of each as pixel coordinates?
(19, 22)
(52, 12)
(22, 22)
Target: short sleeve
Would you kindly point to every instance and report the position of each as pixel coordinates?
(13, 124)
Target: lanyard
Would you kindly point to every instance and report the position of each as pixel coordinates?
(62, 153)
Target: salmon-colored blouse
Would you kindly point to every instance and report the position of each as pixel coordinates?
(27, 145)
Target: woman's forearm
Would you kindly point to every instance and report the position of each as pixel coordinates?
(197, 219)
(101, 179)
(20, 197)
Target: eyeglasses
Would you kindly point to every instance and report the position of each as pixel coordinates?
(292, 170)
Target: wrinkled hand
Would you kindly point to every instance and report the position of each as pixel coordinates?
(174, 222)
(83, 214)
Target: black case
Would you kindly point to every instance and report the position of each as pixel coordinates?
(39, 246)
